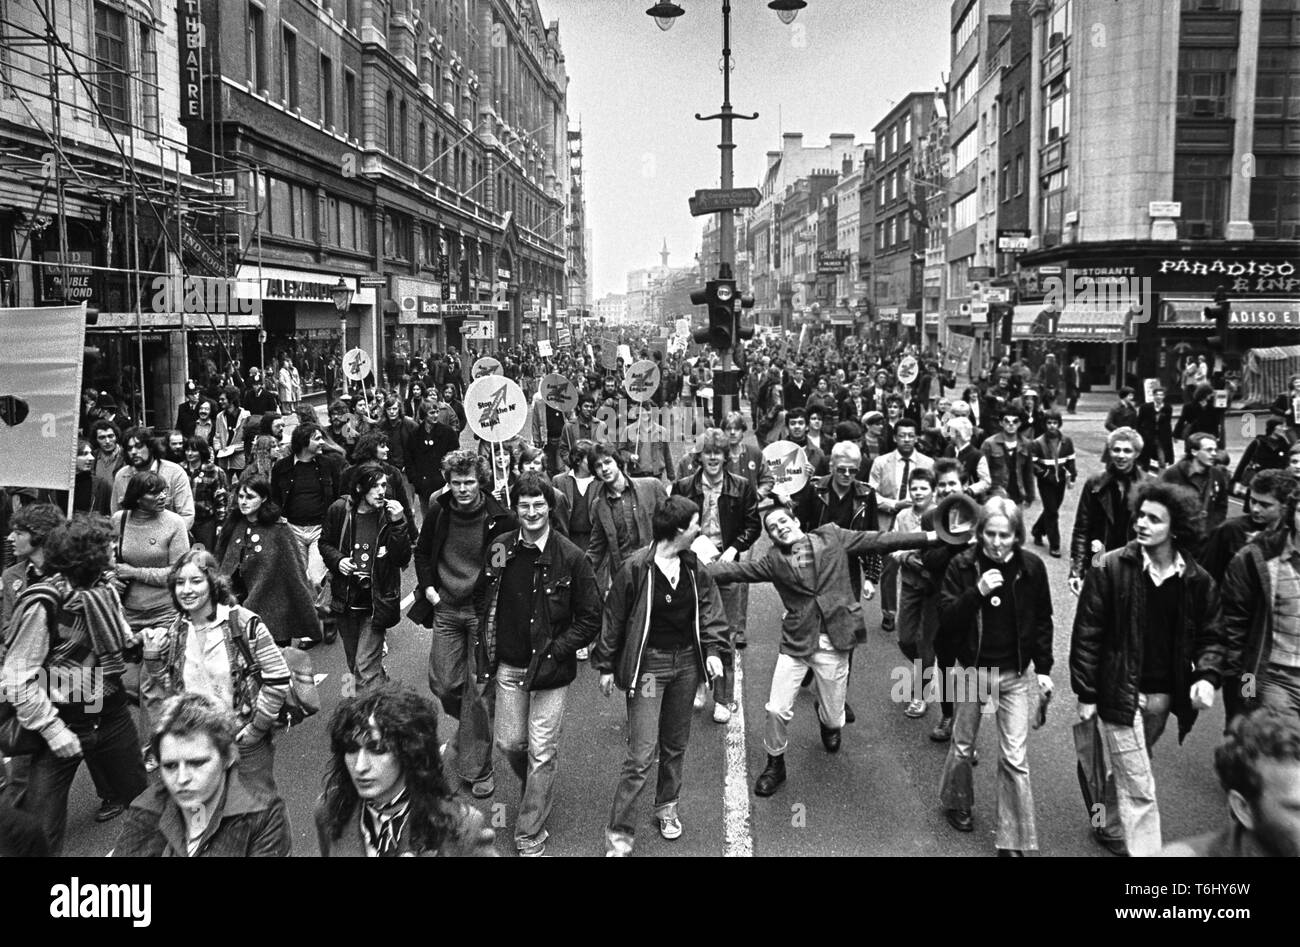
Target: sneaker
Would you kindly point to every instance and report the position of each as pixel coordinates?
(942, 731)
(915, 708)
(108, 811)
(483, 788)
(1055, 553)
(533, 849)
(721, 712)
(583, 654)
(701, 697)
(670, 827)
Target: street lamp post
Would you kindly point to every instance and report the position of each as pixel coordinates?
(665, 13)
(342, 294)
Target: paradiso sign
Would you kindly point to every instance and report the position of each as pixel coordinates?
(1237, 276)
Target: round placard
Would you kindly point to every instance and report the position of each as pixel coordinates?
(787, 462)
(356, 364)
(908, 369)
(641, 380)
(560, 393)
(487, 365)
(495, 408)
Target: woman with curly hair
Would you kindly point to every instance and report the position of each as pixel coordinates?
(385, 794)
(210, 487)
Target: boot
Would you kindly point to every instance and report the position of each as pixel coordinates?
(772, 777)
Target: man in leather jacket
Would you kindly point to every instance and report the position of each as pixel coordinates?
(1148, 641)
(538, 605)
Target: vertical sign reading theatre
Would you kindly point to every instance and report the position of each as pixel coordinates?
(191, 57)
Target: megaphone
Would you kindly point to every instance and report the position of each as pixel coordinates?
(955, 517)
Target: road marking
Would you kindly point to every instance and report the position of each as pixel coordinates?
(319, 678)
(406, 602)
(738, 833)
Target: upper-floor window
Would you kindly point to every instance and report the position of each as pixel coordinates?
(963, 153)
(1059, 22)
(1206, 78)
(1056, 110)
(963, 91)
(289, 67)
(965, 28)
(255, 48)
(326, 92)
(111, 67)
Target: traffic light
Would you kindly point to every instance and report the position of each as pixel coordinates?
(719, 296)
(744, 320)
(1219, 313)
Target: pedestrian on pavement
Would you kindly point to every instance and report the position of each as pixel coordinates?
(449, 558)
(69, 626)
(729, 520)
(1199, 471)
(259, 558)
(1102, 521)
(202, 808)
(621, 510)
(995, 614)
(1148, 642)
(145, 452)
(889, 478)
(539, 608)
(573, 492)
(1073, 384)
(822, 622)
(220, 649)
(303, 485)
(1052, 455)
(1200, 414)
(1155, 424)
(366, 544)
(289, 385)
(187, 415)
(1258, 765)
(385, 793)
(1124, 412)
(662, 633)
(1261, 614)
(1266, 451)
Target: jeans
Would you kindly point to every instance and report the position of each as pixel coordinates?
(110, 745)
(1016, 696)
(452, 680)
(363, 644)
(528, 732)
(1048, 523)
(888, 592)
(831, 675)
(659, 711)
(1130, 796)
(724, 687)
(1279, 687)
(308, 538)
(917, 623)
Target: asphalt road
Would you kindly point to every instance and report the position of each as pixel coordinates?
(877, 796)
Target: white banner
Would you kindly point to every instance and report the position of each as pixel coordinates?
(40, 386)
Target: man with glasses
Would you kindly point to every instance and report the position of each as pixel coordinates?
(1011, 464)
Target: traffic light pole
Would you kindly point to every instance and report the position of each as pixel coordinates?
(726, 217)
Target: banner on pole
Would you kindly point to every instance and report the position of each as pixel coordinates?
(957, 351)
(40, 394)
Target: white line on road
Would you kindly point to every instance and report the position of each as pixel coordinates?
(406, 602)
(739, 838)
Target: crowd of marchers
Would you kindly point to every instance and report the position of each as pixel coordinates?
(203, 563)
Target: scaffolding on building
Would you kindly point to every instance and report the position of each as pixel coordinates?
(190, 217)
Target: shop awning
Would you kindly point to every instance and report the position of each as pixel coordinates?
(1264, 314)
(1185, 312)
(1104, 324)
(1268, 371)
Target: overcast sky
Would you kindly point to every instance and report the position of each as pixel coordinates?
(839, 68)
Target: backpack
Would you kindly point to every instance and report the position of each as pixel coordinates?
(303, 699)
